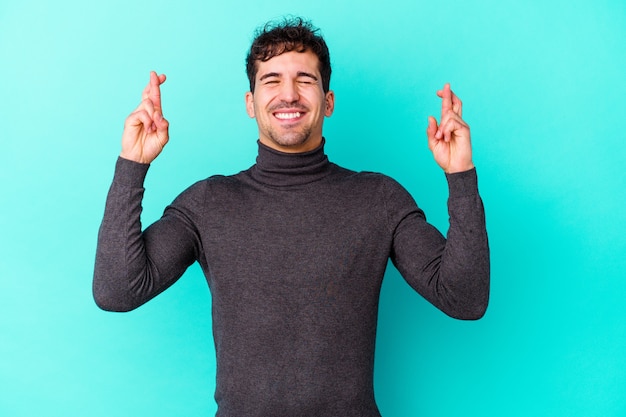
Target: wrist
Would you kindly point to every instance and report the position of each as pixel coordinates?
(139, 158)
(459, 168)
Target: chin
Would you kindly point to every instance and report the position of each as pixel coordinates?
(292, 140)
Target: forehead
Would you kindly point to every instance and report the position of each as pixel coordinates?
(288, 63)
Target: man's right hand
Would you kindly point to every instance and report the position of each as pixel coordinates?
(146, 130)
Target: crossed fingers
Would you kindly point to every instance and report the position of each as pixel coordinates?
(451, 114)
(152, 91)
(150, 108)
(450, 101)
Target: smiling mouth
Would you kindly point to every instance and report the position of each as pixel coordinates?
(287, 115)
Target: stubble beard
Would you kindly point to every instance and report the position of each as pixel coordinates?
(289, 139)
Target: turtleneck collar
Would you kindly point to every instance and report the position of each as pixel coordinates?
(281, 169)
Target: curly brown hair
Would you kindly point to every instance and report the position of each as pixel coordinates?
(289, 34)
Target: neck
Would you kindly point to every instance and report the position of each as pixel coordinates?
(282, 169)
(310, 144)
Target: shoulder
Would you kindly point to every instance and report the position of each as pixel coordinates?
(380, 189)
(382, 193)
(392, 194)
(198, 192)
(372, 180)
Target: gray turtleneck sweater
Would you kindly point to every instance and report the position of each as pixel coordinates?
(294, 250)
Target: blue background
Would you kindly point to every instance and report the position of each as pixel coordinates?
(543, 87)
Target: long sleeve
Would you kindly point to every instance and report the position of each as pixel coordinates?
(133, 266)
(452, 273)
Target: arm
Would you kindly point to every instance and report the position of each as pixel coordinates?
(134, 266)
(451, 273)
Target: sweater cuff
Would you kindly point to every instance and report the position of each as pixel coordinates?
(463, 184)
(130, 173)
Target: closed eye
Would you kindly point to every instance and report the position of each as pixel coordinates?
(307, 78)
(270, 78)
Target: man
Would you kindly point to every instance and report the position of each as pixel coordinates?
(294, 248)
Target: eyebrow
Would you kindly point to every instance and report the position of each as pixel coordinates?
(306, 74)
(276, 74)
(269, 75)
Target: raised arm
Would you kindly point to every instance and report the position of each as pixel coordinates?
(451, 272)
(132, 266)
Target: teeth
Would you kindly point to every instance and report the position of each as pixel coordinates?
(287, 115)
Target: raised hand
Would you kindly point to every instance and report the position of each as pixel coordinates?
(146, 130)
(450, 140)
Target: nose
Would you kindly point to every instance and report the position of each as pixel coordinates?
(289, 92)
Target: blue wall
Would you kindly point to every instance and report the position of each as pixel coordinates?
(543, 89)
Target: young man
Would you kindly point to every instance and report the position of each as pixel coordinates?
(294, 248)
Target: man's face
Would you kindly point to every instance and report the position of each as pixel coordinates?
(289, 103)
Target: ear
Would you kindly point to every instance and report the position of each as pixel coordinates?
(329, 106)
(250, 104)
